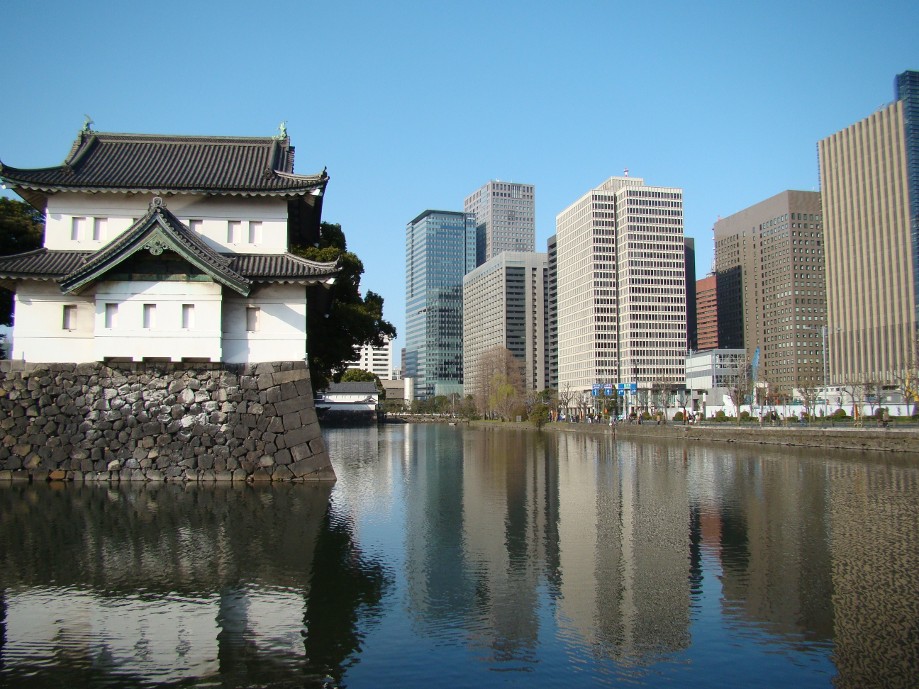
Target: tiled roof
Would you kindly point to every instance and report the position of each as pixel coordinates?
(41, 264)
(280, 267)
(100, 161)
(353, 388)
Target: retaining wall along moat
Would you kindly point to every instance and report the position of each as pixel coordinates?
(160, 422)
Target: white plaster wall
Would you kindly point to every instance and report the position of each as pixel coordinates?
(38, 333)
(121, 210)
(281, 334)
(166, 338)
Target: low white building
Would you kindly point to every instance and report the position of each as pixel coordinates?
(709, 374)
(167, 248)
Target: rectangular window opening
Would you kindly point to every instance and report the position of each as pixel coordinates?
(234, 230)
(255, 232)
(149, 316)
(98, 229)
(188, 316)
(77, 226)
(70, 317)
(252, 318)
(111, 316)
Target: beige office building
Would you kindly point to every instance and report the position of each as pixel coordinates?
(869, 259)
(621, 287)
(769, 263)
(504, 306)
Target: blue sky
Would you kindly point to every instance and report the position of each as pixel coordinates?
(413, 105)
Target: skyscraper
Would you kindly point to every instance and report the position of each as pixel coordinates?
(552, 313)
(504, 306)
(692, 324)
(621, 286)
(707, 313)
(771, 257)
(907, 92)
(505, 218)
(868, 174)
(439, 251)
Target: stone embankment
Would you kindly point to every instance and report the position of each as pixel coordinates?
(160, 422)
(866, 438)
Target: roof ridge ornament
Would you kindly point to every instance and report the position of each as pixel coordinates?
(87, 124)
(157, 202)
(156, 246)
(282, 131)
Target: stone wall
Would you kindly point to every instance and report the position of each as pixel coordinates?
(160, 422)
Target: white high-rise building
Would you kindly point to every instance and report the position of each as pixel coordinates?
(621, 287)
(504, 305)
(377, 360)
(505, 218)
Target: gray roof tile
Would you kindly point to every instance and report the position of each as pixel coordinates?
(164, 163)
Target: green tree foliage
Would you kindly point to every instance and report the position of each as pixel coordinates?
(539, 415)
(21, 229)
(339, 319)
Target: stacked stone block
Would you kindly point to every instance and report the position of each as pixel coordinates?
(160, 422)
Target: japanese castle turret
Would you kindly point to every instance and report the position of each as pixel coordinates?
(171, 254)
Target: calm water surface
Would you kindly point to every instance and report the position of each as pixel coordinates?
(452, 557)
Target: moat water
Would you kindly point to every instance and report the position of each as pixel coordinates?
(453, 557)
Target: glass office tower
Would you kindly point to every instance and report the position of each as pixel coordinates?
(439, 251)
(907, 91)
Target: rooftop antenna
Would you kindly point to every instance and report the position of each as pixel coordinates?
(625, 173)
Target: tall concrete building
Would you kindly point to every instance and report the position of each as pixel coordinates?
(504, 305)
(771, 256)
(439, 251)
(621, 286)
(706, 313)
(376, 360)
(692, 324)
(505, 218)
(552, 313)
(869, 180)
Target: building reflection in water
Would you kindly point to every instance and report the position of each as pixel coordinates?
(536, 553)
(161, 583)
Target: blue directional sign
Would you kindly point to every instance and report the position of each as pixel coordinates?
(633, 387)
(595, 390)
(608, 389)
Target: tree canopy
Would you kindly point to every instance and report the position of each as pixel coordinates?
(21, 229)
(339, 319)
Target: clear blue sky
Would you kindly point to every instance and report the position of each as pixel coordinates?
(413, 105)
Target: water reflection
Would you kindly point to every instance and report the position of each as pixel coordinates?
(162, 584)
(467, 557)
(657, 564)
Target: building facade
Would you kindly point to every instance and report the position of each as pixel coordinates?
(692, 325)
(771, 256)
(439, 251)
(376, 360)
(907, 92)
(552, 313)
(868, 174)
(505, 218)
(166, 248)
(707, 313)
(504, 306)
(621, 287)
